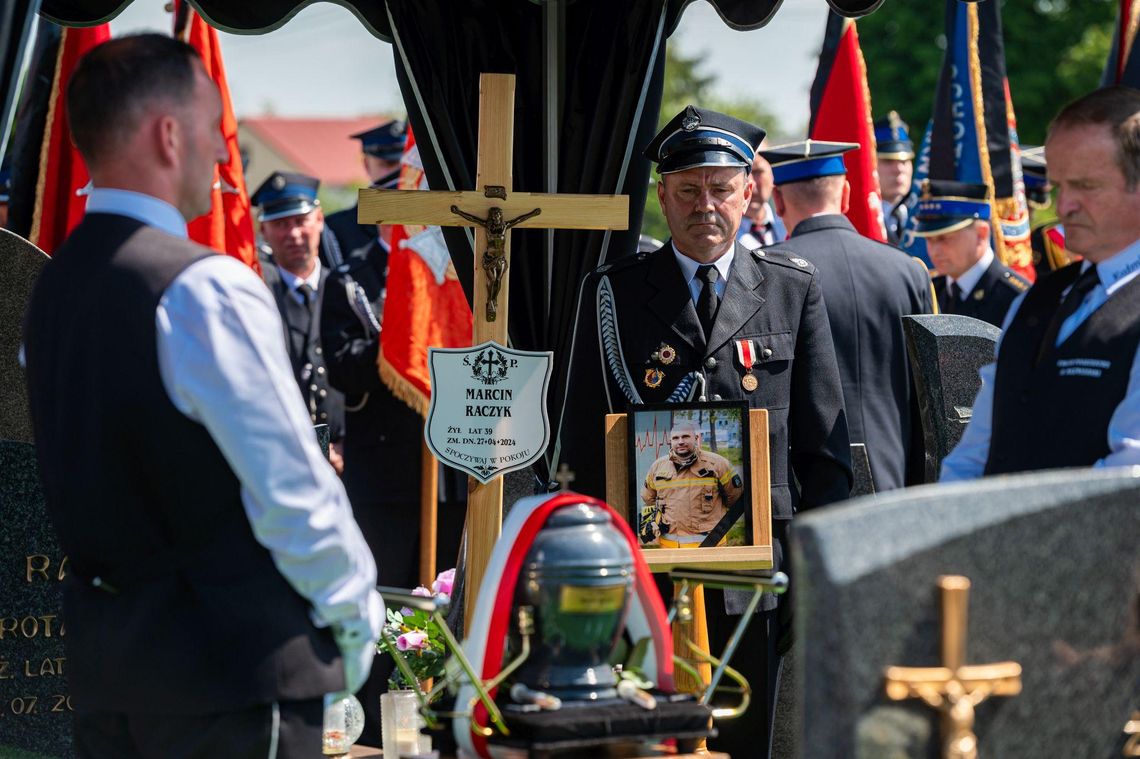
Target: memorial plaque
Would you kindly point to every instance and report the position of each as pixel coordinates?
(20, 266)
(1051, 588)
(488, 408)
(946, 351)
(35, 711)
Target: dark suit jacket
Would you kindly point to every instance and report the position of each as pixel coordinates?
(303, 340)
(991, 297)
(632, 308)
(350, 234)
(868, 287)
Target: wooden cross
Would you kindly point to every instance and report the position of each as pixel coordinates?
(955, 688)
(493, 209)
(564, 476)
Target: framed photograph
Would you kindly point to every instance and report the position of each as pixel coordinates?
(689, 484)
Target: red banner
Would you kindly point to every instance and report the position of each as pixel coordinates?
(61, 186)
(228, 227)
(425, 305)
(841, 112)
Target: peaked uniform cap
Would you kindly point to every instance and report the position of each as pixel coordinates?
(286, 194)
(385, 141)
(947, 206)
(892, 138)
(1034, 168)
(698, 137)
(800, 161)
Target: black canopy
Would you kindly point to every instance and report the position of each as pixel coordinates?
(589, 78)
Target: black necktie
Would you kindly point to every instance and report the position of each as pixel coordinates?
(1076, 296)
(306, 293)
(955, 297)
(708, 301)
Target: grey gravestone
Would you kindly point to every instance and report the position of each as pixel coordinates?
(20, 266)
(861, 468)
(1055, 570)
(946, 351)
(35, 712)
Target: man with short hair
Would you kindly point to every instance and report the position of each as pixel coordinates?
(760, 225)
(704, 318)
(867, 287)
(1065, 388)
(687, 492)
(894, 153)
(291, 223)
(218, 586)
(954, 217)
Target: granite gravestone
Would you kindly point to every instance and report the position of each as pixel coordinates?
(861, 469)
(1055, 571)
(946, 351)
(35, 711)
(20, 265)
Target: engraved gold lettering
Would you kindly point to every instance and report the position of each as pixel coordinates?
(62, 569)
(5, 673)
(8, 626)
(36, 564)
(21, 705)
(61, 703)
(29, 627)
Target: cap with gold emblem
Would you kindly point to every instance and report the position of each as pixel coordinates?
(285, 194)
(698, 137)
(892, 138)
(947, 206)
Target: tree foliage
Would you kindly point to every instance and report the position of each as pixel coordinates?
(687, 83)
(1055, 50)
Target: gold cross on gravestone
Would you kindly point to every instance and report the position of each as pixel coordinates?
(493, 209)
(955, 688)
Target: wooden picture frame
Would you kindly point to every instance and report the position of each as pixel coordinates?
(618, 494)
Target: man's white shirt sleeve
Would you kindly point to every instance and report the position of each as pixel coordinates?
(223, 363)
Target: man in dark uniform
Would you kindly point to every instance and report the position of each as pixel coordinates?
(868, 287)
(1065, 388)
(382, 147)
(954, 217)
(894, 152)
(703, 317)
(761, 224)
(217, 585)
(291, 224)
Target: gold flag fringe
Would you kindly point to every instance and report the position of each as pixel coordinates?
(402, 388)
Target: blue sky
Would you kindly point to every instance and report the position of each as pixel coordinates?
(324, 63)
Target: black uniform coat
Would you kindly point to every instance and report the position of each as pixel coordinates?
(991, 297)
(303, 341)
(630, 309)
(350, 234)
(868, 287)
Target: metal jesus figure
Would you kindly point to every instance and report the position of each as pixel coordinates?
(495, 256)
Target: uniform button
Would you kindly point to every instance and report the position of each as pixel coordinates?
(309, 367)
(318, 350)
(767, 353)
(324, 415)
(320, 370)
(323, 393)
(717, 398)
(710, 363)
(313, 388)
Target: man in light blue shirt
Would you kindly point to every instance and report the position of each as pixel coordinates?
(1065, 388)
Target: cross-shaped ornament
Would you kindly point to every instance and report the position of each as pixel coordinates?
(955, 688)
(493, 209)
(564, 476)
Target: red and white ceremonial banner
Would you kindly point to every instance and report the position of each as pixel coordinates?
(425, 305)
(61, 186)
(841, 112)
(228, 227)
(486, 638)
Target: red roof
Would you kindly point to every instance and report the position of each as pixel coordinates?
(318, 147)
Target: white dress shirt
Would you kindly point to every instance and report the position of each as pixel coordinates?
(968, 459)
(689, 272)
(292, 281)
(224, 365)
(969, 280)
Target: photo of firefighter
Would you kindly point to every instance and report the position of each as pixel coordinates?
(689, 462)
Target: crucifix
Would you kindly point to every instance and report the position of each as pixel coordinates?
(493, 209)
(955, 688)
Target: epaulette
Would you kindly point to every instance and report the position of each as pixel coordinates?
(1014, 280)
(622, 263)
(782, 258)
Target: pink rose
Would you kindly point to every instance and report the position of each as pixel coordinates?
(420, 590)
(444, 582)
(412, 641)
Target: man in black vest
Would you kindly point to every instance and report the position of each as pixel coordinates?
(291, 225)
(867, 287)
(218, 585)
(954, 217)
(1065, 389)
(706, 318)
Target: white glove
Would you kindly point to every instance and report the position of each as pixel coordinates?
(356, 639)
